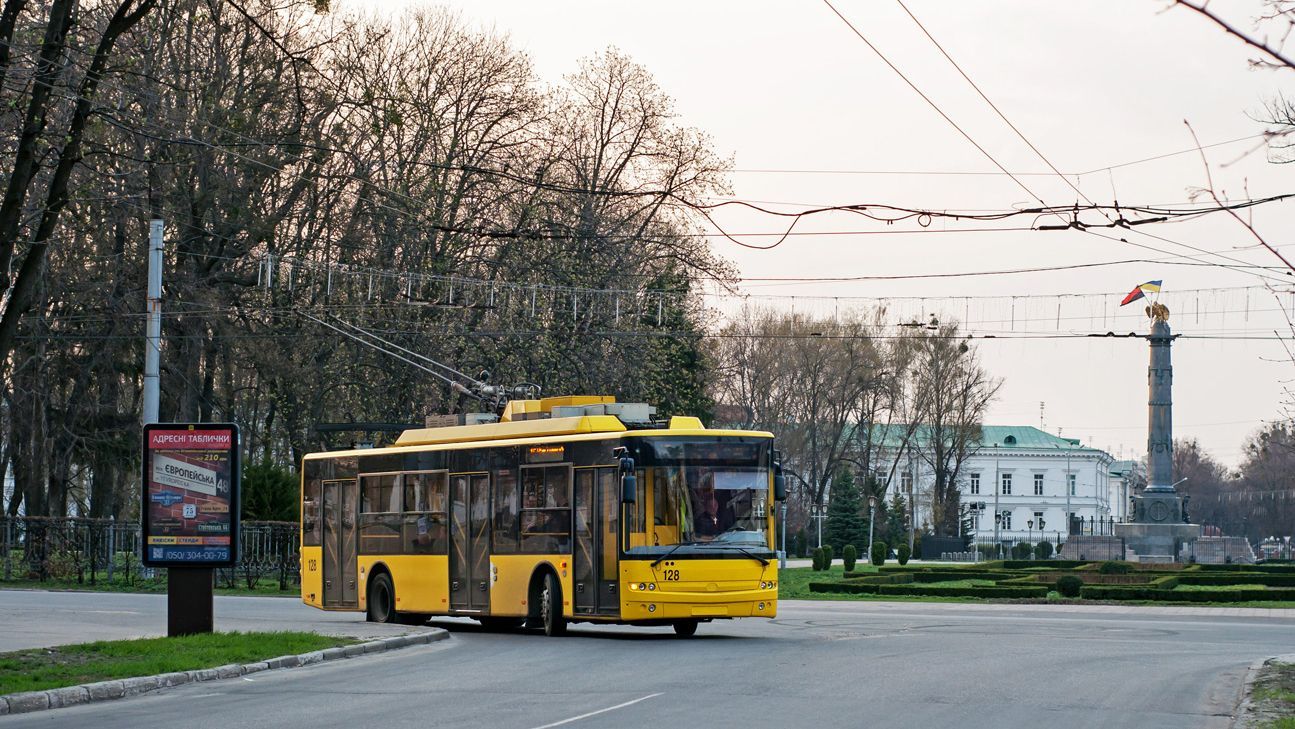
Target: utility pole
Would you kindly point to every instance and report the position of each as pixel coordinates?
(153, 327)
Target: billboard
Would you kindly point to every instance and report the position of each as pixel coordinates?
(190, 502)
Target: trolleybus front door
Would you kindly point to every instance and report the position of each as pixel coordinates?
(340, 543)
(595, 541)
(609, 499)
(470, 542)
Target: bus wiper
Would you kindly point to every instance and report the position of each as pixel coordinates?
(763, 562)
(658, 560)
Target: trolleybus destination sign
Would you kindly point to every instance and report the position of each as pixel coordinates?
(190, 501)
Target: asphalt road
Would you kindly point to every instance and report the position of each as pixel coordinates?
(821, 664)
(36, 618)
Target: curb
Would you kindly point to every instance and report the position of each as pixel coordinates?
(1242, 715)
(121, 688)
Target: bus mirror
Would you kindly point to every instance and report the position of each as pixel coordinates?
(629, 487)
(779, 486)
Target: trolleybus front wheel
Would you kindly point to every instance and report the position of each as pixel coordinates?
(685, 628)
(382, 599)
(551, 606)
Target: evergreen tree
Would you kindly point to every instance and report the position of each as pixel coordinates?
(845, 523)
(897, 521)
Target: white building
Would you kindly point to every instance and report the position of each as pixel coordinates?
(1030, 479)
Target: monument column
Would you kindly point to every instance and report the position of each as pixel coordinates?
(1160, 417)
(1157, 532)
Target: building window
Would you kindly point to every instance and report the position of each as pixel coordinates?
(1006, 484)
(1007, 520)
(975, 484)
(1071, 479)
(1038, 520)
(1038, 484)
(906, 480)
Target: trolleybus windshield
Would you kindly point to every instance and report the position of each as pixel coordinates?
(708, 493)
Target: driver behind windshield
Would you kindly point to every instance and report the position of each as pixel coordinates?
(710, 519)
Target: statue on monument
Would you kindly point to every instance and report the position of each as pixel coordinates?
(1158, 312)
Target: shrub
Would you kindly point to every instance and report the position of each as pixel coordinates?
(818, 559)
(848, 556)
(1053, 595)
(878, 554)
(1022, 550)
(1115, 568)
(903, 554)
(827, 556)
(1070, 586)
(1043, 550)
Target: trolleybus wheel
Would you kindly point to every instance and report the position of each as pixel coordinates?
(382, 600)
(685, 628)
(551, 606)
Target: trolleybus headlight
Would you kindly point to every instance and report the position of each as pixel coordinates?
(651, 586)
(651, 608)
(642, 586)
(760, 606)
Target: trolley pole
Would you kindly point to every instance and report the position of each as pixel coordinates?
(153, 329)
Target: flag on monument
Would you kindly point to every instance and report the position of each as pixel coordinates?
(1140, 291)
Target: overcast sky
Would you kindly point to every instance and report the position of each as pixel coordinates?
(788, 86)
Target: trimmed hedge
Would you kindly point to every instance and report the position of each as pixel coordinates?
(1061, 564)
(1103, 592)
(947, 574)
(1283, 568)
(1271, 579)
(874, 579)
(858, 587)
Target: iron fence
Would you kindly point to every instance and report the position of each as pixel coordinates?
(105, 551)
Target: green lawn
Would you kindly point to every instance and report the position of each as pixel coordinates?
(69, 665)
(1217, 588)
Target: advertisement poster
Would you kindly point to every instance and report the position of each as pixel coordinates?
(190, 501)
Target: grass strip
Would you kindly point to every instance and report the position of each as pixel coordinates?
(37, 669)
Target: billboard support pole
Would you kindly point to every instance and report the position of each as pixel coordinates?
(189, 600)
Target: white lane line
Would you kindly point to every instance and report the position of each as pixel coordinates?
(600, 711)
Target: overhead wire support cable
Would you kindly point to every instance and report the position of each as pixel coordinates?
(1074, 223)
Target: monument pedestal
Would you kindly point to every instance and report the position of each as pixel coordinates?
(1157, 532)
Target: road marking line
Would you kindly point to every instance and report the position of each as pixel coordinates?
(600, 711)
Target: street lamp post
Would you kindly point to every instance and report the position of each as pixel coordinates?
(1029, 533)
(872, 517)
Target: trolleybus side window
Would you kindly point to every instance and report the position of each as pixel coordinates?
(380, 514)
(505, 511)
(310, 524)
(546, 509)
(425, 523)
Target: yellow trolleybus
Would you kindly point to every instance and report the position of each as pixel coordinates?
(569, 509)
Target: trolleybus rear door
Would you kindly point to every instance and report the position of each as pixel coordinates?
(340, 542)
(469, 542)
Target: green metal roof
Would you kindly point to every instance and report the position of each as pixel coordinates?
(992, 436)
(1023, 436)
